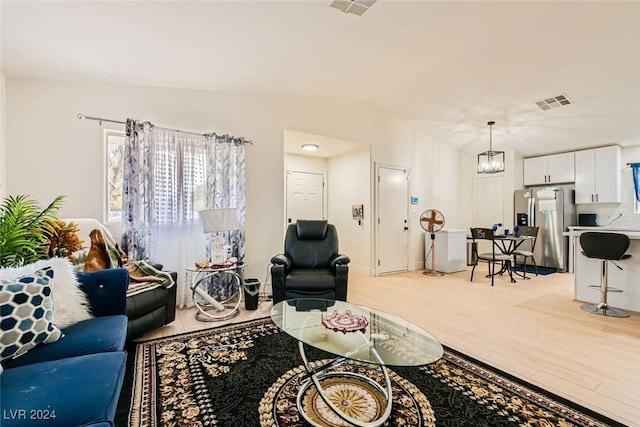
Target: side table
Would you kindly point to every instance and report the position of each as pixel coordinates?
(217, 292)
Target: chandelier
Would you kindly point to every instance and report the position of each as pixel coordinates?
(491, 161)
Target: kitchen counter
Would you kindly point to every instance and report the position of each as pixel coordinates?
(587, 270)
(633, 233)
(575, 232)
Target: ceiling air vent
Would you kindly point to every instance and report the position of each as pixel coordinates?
(556, 101)
(357, 7)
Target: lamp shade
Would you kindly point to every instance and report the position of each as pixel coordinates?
(219, 220)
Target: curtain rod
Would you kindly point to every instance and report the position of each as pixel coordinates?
(81, 116)
(99, 119)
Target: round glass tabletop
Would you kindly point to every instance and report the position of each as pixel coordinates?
(356, 332)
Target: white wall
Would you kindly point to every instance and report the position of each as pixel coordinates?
(3, 129)
(51, 152)
(350, 184)
(311, 164)
(442, 177)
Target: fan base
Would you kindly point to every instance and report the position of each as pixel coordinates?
(432, 273)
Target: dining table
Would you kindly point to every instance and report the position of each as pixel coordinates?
(507, 244)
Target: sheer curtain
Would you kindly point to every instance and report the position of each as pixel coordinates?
(170, 176)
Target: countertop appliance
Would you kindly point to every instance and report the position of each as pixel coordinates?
(589, 219)
(552, 209)
(451, 251)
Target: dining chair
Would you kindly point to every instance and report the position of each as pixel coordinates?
(526, 231)
(491, 258)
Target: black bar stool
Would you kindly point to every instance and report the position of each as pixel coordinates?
(605, 247)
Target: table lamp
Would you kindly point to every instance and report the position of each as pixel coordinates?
(215, 221)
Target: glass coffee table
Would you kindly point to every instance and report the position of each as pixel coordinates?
(352, 332)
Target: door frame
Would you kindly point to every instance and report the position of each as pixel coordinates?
(376, 226)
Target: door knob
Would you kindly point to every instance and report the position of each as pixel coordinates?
(406, 228)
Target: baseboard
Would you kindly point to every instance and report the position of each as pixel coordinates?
(417, 265)
(360, 269)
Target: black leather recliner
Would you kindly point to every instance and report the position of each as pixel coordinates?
(151, 309)
(311, 266)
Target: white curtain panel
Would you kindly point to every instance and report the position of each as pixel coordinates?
(178, 247)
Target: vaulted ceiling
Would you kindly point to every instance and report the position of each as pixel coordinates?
(447, 66)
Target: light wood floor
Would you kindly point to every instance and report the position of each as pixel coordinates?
(531, 329)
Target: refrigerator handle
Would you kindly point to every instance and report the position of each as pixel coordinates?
(531, 211)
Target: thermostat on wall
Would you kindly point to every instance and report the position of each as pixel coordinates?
(414, 200)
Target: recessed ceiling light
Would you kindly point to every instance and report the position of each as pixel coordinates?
(309, 147)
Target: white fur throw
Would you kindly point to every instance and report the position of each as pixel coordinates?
(70, 304)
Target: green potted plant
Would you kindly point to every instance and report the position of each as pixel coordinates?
(25, 229)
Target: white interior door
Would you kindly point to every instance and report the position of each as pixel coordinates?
(490, 201)
(393, 214)
(305, 196)
(489, 205)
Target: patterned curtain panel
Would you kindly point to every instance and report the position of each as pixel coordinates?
(226, 184)
(169, 177)
(135, 198)
(636, 179)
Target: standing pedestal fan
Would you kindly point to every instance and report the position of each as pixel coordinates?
(432, 221)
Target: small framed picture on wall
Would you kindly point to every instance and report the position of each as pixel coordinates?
(357, 211)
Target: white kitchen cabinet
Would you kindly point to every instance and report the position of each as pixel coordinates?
(551, 169)
(598, 175)
(535, 170)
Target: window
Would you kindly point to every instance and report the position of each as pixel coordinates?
(179, 181)
(175, 165)
(114, 142)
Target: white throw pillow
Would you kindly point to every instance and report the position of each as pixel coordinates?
(70, 304)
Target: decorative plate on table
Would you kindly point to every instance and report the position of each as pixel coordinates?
(345, 322)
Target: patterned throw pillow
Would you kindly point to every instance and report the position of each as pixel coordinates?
(70, 304)
(26, 310)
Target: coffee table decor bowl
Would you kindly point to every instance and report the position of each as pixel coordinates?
(354, 334)
(345, 322)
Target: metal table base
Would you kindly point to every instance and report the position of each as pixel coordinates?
(315, 377)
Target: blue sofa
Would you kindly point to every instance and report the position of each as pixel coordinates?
(76, 380)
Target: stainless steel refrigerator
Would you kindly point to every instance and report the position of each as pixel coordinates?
(552, 209)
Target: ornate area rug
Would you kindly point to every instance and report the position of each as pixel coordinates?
(249, 374)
